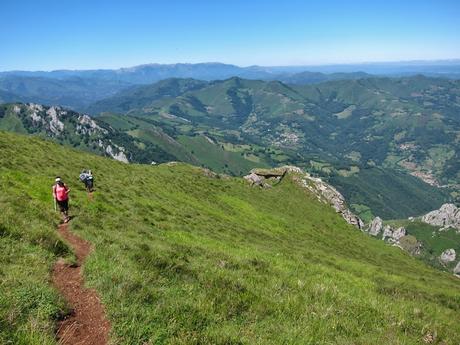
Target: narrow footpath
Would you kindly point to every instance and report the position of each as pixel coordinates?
(86, 324)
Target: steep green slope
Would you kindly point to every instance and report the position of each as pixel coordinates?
(375, 189)
(142, 96)
(216, 157)
(182, 257)
(198, 150)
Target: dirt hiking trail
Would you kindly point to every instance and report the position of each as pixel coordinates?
(86, 324)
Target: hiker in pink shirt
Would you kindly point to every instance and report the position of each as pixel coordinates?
(61, 197)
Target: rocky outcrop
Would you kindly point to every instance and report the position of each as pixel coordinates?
(393, 235)
(448, 256)
(457, 269)
(58, 123)
(254, 179)
(448, 216)
(389, 233)
(375, 227)
(56, 126)
(87, 126)
(323, 191)
(116, 153)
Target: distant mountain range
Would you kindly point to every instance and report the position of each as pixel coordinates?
(79, 88)
(148, 73)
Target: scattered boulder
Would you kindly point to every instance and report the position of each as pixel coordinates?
(269, 173)
(253, 179)
(447, 256)
(393, 235)
(448, 216)
(209, 173)
(376, 226)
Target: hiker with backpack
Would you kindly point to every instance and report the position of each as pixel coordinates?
(61, 198)
(86, 177)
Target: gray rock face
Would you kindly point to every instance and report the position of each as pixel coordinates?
(393, 235)
(376, 226)
(448, 216)
(398, 233)
(253, 179)
(352, 219)
(448, 255)
(457, 269)
(387, 232)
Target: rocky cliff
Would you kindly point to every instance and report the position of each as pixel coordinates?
(448, 216)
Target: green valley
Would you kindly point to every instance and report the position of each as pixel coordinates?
(376, 130)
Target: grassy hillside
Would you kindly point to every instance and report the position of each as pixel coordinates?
(142, 96)
(371, 192)
(184, 258)
(197, 150)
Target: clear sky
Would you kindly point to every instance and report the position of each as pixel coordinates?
(83, 34)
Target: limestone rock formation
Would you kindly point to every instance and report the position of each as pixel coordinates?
(447, 256)
(457, 269)
(448, 216)
(376, 226)
(253, 179)
(393, 235)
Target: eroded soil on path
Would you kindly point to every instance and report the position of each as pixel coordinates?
(86, 324)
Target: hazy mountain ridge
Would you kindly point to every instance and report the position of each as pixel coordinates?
(72, 92)
(146, 73)
(79, 88)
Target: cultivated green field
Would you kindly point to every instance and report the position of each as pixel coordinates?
(184, 258)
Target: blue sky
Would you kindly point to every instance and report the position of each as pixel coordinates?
(81, 34)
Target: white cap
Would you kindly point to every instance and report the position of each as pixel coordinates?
(58, 179)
